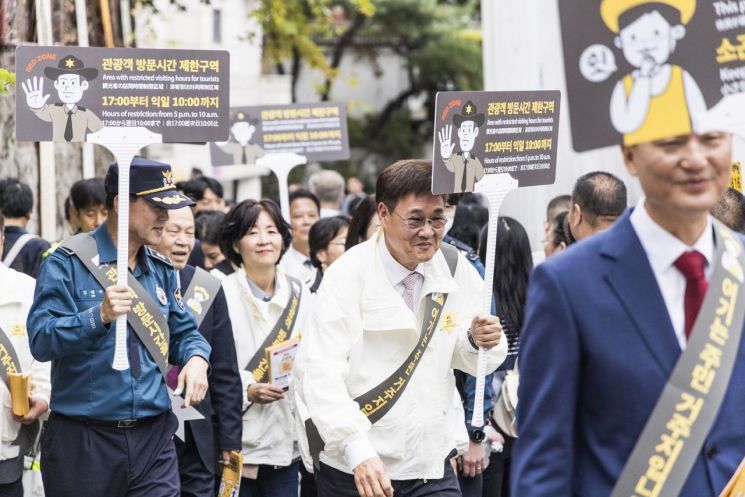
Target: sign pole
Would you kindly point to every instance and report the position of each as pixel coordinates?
(494, 187)
(281, 164)
(124, 147)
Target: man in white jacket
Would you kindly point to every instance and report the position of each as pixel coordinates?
(16, 296)
(368, 316)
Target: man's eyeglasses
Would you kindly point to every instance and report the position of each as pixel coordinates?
(416, 223)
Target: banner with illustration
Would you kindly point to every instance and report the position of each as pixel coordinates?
(642, 70)
(487, 132)
(66, 93)
(317, 131)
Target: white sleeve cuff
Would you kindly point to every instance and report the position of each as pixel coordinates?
(358, 451)
(246, 380)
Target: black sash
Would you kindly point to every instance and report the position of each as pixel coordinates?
(145, 317)
(201, 293)
(8, 358)
(675, 432)
(258, 366)
(376, 402)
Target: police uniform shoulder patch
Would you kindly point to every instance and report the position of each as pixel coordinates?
(161, 295)
(63, 249)
(158, 256)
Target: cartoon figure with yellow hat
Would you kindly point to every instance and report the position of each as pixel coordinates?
(657, 99)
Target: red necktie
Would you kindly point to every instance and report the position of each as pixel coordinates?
(692, 264)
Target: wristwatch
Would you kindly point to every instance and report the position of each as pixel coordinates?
(470, 339)
(477, 435)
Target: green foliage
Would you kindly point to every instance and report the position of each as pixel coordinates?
(7, 79)
(438, 41)
(291, 28)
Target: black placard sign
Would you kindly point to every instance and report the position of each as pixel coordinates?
(66, 93)
(638, 70)
(317, 131)
(478, 133)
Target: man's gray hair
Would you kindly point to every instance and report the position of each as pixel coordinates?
(327, 185)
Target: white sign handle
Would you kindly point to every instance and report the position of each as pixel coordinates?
(124, 143)
(281, 164)
(494, 187)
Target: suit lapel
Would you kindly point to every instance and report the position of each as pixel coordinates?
(631, 277)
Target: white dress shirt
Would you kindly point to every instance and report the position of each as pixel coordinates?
(296, 264)
(663, 249)
(396, 273)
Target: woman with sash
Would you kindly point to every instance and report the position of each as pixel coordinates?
(266, 308)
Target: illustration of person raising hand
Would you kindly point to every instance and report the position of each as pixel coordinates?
(70, 122)
(658, 98)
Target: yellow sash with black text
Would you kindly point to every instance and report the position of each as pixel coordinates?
(675, 432)
(145, 317)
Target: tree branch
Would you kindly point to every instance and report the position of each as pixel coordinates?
(342, 42)
(390, 108)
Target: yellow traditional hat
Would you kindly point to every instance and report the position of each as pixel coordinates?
(611, 10)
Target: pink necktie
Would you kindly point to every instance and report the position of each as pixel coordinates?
(409, 284)
(691, 264)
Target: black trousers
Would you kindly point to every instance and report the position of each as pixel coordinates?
(82, 459)
(14, 489)
(196, 479)
(307, 483)
(334, 483)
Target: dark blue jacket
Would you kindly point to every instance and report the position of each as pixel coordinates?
(597, 349)
(225, 396)
(64, 326)
(29, 258)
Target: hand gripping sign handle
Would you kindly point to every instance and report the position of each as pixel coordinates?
(123, 143)
(494, 187)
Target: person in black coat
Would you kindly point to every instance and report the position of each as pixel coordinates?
(207, 441)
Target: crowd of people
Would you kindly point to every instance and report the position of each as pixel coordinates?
(381, 291)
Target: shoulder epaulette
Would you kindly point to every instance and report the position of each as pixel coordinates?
(59, 104)
(81, 108)
(158, 256)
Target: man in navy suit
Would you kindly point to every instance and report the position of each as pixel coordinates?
(605, 324)
(196, 454)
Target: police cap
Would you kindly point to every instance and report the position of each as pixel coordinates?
(150, 180)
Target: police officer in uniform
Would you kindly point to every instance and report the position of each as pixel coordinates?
(111, 431)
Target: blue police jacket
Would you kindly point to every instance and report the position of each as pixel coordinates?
(64, 326)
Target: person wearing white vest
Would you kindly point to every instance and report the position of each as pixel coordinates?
(367, 319)
(254, 237)
(16, 296)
